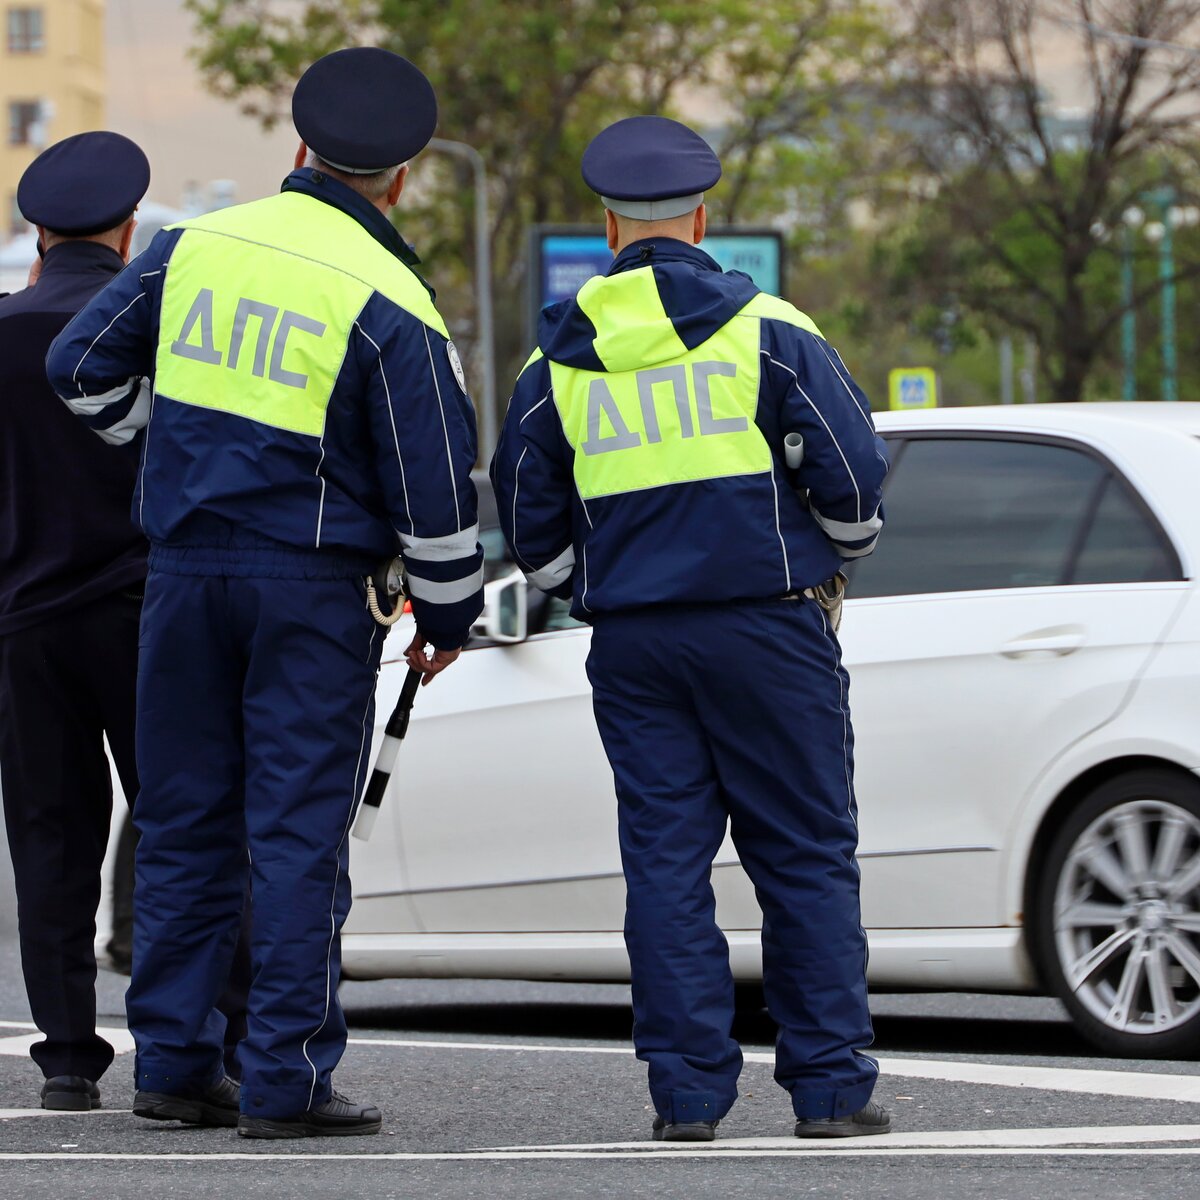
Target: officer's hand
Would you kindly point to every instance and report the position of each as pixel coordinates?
(35, 272)
(429, 666)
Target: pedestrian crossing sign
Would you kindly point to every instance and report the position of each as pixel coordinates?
(912, 387)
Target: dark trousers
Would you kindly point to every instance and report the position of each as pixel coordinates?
(737, 716)
(64, 684)
(233, 999)
(255, 712)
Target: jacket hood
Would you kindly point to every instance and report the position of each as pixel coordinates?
(659, 292)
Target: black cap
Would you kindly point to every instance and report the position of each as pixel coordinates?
(650, 168)
(364, 109)
(85, 184)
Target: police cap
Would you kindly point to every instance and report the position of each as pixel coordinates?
(364, 109)
(650, 168)
(84, 185)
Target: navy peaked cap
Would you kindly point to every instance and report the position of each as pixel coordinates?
(85, 184)
(650, 168)
(364, 109)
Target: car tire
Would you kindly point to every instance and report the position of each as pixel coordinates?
(1117, 915)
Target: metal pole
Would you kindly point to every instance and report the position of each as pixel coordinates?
(1129, 318)
(1166, 272)
(484, 317)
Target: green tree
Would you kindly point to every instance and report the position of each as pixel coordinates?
(529, 82)
(1016, 224)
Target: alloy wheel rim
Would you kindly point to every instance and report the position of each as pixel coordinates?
(1127, 917)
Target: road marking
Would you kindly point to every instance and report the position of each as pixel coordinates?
(1083, 1135)
(419, 1044)
(12, 1114)
(717, 1150)
(1140, 1085)
(1133, 1084)
(119, 1038)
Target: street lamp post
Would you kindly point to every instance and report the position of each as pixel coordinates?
(1163, 199)
(1163, 233)
(1132, 220)
(484, 320)
(1166, 273)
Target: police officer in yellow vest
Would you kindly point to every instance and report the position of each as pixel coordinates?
(307, 419)
(642, 473)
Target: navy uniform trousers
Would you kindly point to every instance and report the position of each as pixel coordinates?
(255, 711)
(737, 714)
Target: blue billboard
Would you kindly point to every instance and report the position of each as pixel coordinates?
(564, 258)
(760, 255)
(567, 263)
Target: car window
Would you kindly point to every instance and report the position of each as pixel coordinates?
(966, 514)
(558, 615)
(496, 563)
(1124, 544)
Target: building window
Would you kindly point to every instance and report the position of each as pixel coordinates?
(22, 117)
(25, 31)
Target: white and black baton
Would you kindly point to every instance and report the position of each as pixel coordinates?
(393, 735)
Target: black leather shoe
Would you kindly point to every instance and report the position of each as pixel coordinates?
(70, 1093)
(872, 1118)
(684, 1131)
(337, 1117)
(217, 1104)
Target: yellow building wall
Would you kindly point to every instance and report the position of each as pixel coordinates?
(68, 73)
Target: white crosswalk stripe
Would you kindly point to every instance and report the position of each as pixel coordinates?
(17, 1045)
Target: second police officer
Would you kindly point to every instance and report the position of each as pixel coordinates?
(308, 419)
(641, 472)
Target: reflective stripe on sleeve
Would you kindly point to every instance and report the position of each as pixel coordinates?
(849, 531)
(444, 593)
(441, 549)
(91, 406)
(136, 418)
(552, 574)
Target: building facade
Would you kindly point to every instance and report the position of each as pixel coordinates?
(52, 84)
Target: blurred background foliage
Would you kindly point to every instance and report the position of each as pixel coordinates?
(934, 199)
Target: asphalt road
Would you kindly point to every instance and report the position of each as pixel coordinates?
(531, 1090)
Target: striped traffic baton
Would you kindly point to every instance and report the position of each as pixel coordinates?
(393, 735)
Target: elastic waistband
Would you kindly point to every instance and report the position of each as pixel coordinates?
(258, 561)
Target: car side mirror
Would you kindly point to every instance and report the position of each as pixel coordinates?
(505, 616)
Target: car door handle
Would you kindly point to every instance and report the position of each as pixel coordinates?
(1046, 643)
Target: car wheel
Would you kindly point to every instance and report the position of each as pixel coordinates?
(1117, 919)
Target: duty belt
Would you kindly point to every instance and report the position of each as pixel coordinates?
(829, 595)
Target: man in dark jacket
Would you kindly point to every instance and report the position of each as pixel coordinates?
(70, 604)
(70, 601)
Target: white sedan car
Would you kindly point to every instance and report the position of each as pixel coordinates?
(1024, 651)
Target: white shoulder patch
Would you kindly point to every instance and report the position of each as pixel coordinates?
(456, 366)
